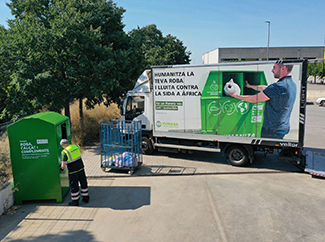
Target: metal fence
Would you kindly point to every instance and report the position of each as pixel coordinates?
(121, 144)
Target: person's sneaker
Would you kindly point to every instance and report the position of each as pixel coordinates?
(73, 203)
(85, 199)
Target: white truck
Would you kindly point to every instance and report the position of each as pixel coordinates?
(186, 108)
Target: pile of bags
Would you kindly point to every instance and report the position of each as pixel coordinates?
(125, 160)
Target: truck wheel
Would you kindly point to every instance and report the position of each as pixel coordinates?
(237, 155)
(146, 146)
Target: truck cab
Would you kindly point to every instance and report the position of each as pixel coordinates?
(136, 104)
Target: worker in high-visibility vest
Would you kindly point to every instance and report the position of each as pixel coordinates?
(71, 158)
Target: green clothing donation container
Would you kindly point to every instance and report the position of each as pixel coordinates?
(35, 152)
(225, 115)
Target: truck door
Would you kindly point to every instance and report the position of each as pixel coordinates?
(134, 107)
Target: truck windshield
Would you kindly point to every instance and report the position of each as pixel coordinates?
(134, 107)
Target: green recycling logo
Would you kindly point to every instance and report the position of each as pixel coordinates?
(242, 107)
(214, 86)
(213, 108)
(229, 108)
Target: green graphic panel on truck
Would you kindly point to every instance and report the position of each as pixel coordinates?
(225, 115)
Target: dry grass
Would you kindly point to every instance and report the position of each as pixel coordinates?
(85, 135)
(88, 133)
(5, 163)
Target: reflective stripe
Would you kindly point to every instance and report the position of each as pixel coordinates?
(70, 157)
(75, 198)
(84, 192)
(68, 162)
(76, 171)
(69, 154)
(75, 194)
(72, 152)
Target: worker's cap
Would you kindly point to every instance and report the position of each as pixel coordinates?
(64, 141)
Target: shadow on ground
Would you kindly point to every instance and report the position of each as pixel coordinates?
(118, 198)
(77, 235)
(163, 163)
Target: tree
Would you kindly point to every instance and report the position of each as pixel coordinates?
(316, 69)
(154, 49)
(5, 68)
(69, 50)
(66, 50)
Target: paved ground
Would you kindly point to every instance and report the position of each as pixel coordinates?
(270, 200)
(199, 163)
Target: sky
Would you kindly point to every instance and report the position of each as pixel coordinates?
(205, 25)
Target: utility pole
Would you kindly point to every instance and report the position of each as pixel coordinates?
(268, 38)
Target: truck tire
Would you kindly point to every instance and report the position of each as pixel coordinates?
(237, 155)
(146, 146)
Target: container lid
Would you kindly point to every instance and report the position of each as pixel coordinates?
(50, 117)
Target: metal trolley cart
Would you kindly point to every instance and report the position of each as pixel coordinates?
(121, 145)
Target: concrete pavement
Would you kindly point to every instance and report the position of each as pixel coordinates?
(175, 197)
(239, 207)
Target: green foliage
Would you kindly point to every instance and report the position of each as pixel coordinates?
(316, 69)
(4, 77)
(155, 49)
(67, 50)
(57, 51)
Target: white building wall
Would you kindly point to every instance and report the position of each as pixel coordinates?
(211, 57)
(260, 53)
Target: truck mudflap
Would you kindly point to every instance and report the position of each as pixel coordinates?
(295, 156)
